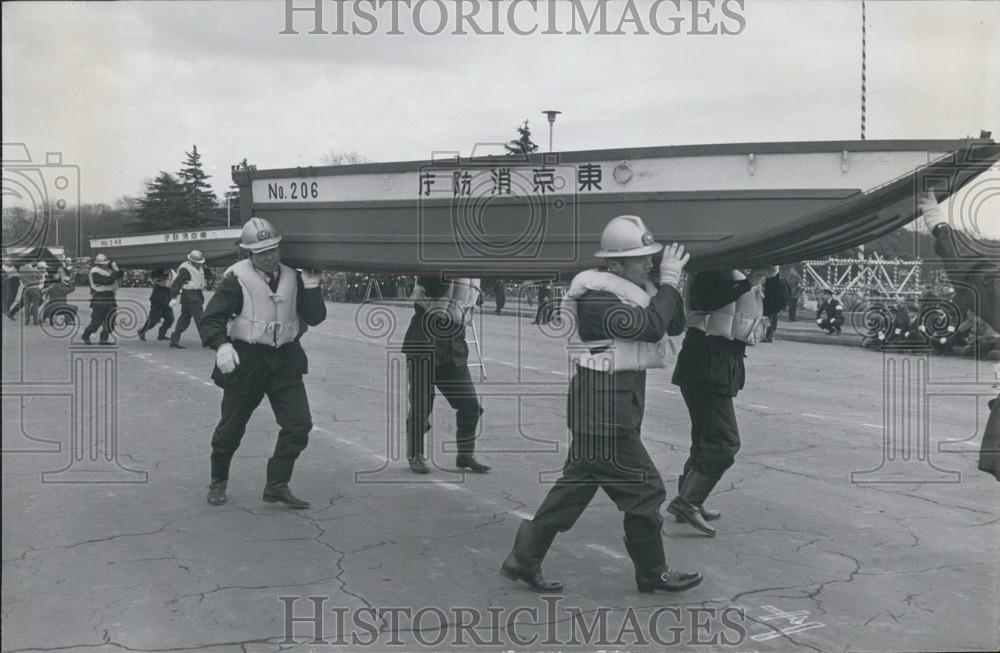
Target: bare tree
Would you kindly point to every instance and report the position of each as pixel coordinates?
(340, 158)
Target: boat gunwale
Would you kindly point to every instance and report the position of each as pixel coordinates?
(624, 154)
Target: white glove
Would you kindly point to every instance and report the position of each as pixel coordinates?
(226, 358)
(114, 266)
(310, 279)
(672, 264)
(175, 302)
(933, 215)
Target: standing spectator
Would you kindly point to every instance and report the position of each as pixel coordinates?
(500, 295)
(542, 315)
(33, 278)
(794, 290)
(833, 312)
(11, 284)
(776, 291)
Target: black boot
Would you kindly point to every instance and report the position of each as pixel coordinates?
(217, 492)
(651, 570)
(525, 560)
(469, 462)
(280, 493)
(687, 504)
(707, 513)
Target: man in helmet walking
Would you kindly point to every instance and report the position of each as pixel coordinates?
(254, 322)
(159, 305)
(622, 320)
(190, 285)
(103, 279)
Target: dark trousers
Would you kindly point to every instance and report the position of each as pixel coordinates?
(190, 311)
(771, 327)
(291, 410)
(102, 316)
(831, 324)
(715, 436)
(544, 313)
(455, 383)
(159, 312)
(617, 464)
(10, 285)
(32, 298)
(793, 306)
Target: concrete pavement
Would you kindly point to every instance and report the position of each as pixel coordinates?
(108, 543)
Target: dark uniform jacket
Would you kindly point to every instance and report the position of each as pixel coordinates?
(712, 363)
(259, 364)
(612, 404)
(435, 331)
(104, 277)
(776, 294)
(831, 308)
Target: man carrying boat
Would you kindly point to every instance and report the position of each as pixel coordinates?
(726, 315)
(254, 323)
(159, 305)
(976, 278)
(622, 323)
(190, 285)
(103, 279)
(437, 355)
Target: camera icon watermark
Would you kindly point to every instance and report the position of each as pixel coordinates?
(37, 197)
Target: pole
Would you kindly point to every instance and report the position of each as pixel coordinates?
(551, 115)
(229, 221)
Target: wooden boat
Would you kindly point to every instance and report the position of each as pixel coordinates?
(732, 205)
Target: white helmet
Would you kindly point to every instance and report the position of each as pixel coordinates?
(259, 235)
(196, 256)
(42, 265)
(101, 259)
(627, 235)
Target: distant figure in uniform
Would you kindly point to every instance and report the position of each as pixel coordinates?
(437, 355)
(500, 295)
(726, 314)
(830, 314)
(622, 320)
(254, 323)
(976, 278)
(544, 312)
(159, 305)
(794, 281)
(56, 295)
(103, 279)
(190, 285)
(11, 283)
(776, 291)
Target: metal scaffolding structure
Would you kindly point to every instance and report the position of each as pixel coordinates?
(864, 276)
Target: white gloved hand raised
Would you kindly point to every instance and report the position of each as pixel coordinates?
(226, 358)
(672, 264)
(933, 215)
(114, 266)
(175, 302)
(310, 279)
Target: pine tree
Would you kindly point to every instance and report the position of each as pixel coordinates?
(165, 205)
(201, 202)
(523, 144)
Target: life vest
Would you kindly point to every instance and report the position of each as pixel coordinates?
(614, 355)
(197, 280)
(267, 318)
(101, 287)
(741, 320)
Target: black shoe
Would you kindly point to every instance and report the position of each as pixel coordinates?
(651, 570)
(177, 345)
(418, 465)
(687, 504)
(281, 494)
(142, 336)
(469, 462)
(707, 513)
(690, 513)
(86, 339)
(163, 337)
(217, 493)
(525, 561)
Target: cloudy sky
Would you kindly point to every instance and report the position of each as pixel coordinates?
(123, 89)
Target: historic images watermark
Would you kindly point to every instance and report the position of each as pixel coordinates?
(551, 623)
(515, 17)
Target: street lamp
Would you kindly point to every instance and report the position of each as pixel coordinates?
(551, 115)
